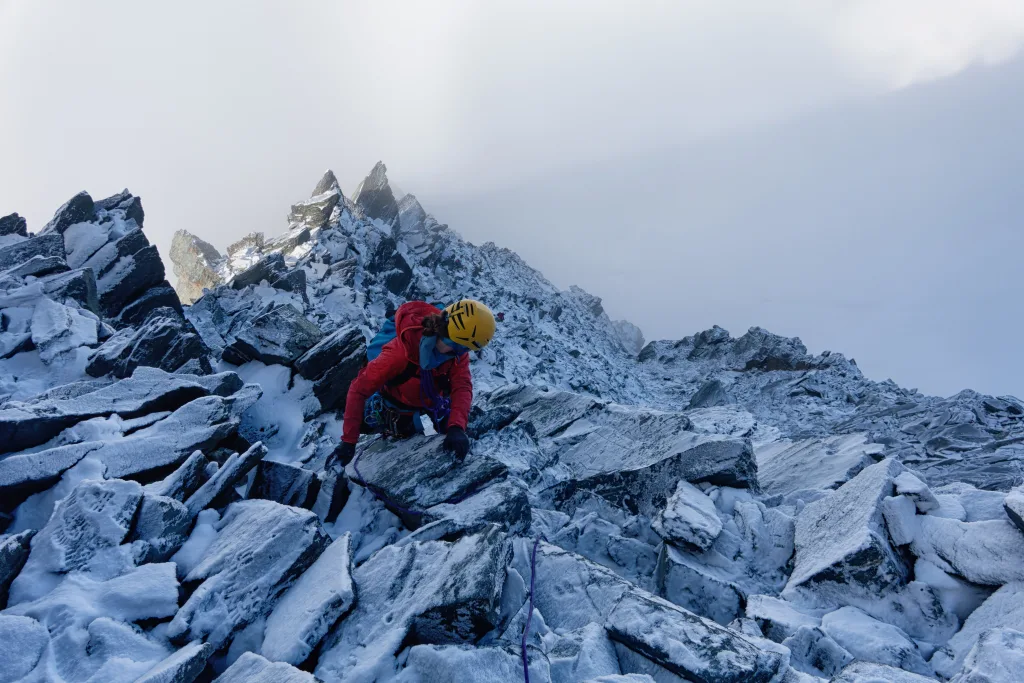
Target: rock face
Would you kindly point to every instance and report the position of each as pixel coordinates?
(280, 335)
(262, 548)
(13, 225)
(251, 668)
(195, 265)
(322, 596)
(375, 197)
(433, 593)
(165, 340)
(285, 484)
(332, 364)
(841, 539)
(689, 517)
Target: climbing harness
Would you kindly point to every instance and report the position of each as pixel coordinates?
(383, 417)
(439, 407)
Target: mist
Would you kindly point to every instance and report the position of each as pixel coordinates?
(843, 172)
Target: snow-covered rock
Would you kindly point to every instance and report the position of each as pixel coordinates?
(1004, 609)
(285, 484)
(1014, 506)
(841, 539)
(227, 475)
(311, 607)
(183, 666)
(332, 364)
(14, 550)
(185, 480)
(868, 639)
(998, 657)
(431, 593)
(279, 335)
(869, 672)
(22, 641)
(689, 517)
(988, 553)
(262, 548)
(163, 525)
(251, 668)
(165, 340)
(814, 652)
(777, 618)
(786, 466)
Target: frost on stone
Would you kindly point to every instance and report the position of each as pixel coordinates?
(251, 668)
(900, 515)
(452, 664)
(95, 517)
(689, 517)
(234, 468)
(841, 539)
(262, 548)
(163, 525)
(22, 641)
(184, 481)
(1014, 505)
(988, 553)
(998, 657)
(183, 666)
(871, 640)
(285, 484)
(777, 618)
(687, 645)
(430, 593)
(785, 466)
(815, 652)
(706, 590)
(311, 607)
(1004, 609)
(911, 486)
(869, 672)
(14, 550)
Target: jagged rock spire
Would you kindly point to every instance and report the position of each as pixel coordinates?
(327, 183)
(195, 263)
(375, 196)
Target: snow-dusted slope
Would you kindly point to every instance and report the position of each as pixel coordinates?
(711, 509)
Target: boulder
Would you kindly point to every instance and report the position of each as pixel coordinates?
(1014, 506)
(160, 295)
(777, 618)
(13, 225)
(195, 265)
(78, 286)
(432, 592)
(700, 588)
(1003, 610)
(389, 264)
(332, 364)
(454, 664)
(14, 550)
(184, 481)
(268, 268)
(251, 668)
(22, 643)
(315, 212)
(311, 607)
(689, 518)
(375, 197)
(38, 266)
(900, 515)
(229, 474)
(285, 484)
(184, 666)
(262, 548)
(841, 541)
(59, 329)
(505, 503)
(815, 652)
(687, 645)
(869, 672)
(868, 639)
(989, 553)
(162, 525)
(18, 253)
(78, 209)
(165, 340)
(786, 466)
(148, 390)
(912, 487)
(998, 657)
(417, 473)
(333, 494)
(280, 335)
(94, 517)
(130, 275)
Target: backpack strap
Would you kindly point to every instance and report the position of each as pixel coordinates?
(411, 370)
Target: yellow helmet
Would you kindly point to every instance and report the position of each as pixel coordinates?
(470, 324)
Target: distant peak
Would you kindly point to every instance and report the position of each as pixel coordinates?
(327, 183)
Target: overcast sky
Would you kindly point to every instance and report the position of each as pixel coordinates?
(843, 171)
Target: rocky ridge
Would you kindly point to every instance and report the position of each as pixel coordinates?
(711, 509)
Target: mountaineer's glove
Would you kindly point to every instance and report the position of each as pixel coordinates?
(345, 453)
(457, 442)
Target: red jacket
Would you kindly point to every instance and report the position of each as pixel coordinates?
(393, 360)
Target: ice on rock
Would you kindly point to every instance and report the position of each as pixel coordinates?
(311, 607)
(418, 593)
(251, 668)
(453, 664)
(909, 485)
(22, 642)
(869, 672)
(988, 553)
(689, 517)
(184, 481)
(777, 618)
(163, 525)
(900, 515)
(997, 658)
(183, 666)
(14, 550)
(96, 516)
(687, 645)
(1005, 609)
(870, 640)
(814, 652)
(1014, 505)
(262, 548)
(841, 539)
(786, 466)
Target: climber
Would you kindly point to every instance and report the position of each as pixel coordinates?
(418, 363)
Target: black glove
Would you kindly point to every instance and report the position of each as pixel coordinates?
(345, 452)
(457, 442)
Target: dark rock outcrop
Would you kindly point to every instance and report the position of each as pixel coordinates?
(375, 197)
(279, 335)
(13, 225)
(285, 484)
(332, 365)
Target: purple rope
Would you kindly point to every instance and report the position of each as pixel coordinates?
(529, 616)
